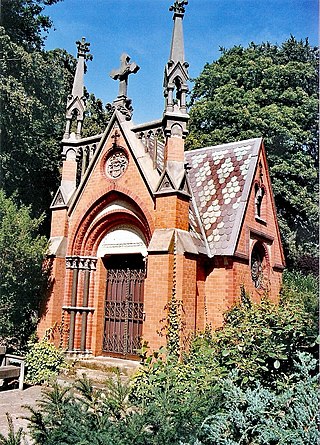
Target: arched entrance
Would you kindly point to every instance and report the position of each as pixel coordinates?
(123, 252)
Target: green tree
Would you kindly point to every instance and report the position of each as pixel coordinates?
(33, 91)
(21, 271)
(270, 91)
(34, 86)
(24, 21)
(96, 116)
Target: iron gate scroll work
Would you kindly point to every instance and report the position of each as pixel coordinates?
(123, 311)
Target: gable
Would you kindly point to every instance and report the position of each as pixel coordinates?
(260, 219)
(220, 178)
(114, 175)
(128, 146)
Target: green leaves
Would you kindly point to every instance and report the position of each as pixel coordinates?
(44, 362)
(13, 438)
(24, 21)
(23, 279)
(250, 382)
(258, 415)
(33, 90)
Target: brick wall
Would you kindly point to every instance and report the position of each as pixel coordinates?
(158, 290)
(207, 288)
(51, 312)
(172, 212)
(59, 223)
(219, 290)
(264, 230)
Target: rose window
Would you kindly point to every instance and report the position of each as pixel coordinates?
(116, 164)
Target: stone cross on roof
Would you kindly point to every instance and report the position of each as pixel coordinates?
(122, 74)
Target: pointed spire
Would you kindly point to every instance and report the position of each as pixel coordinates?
(82, 56)
(177, 46)
(176, 77)
(175, 116)
(75, 103)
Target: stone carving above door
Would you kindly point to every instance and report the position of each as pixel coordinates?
(116, 164)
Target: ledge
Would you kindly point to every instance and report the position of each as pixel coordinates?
(78, 308)
(260, 220)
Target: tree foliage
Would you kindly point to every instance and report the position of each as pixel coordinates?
(204, 398)
(34, 85)
(96, 116)
(33, 92)
(22, 276)
(270, 91)
(24, 21)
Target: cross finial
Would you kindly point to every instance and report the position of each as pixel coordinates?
(178, 6)
(122, 74)
(83, 49)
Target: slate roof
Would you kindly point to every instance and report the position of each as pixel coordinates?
(220, 178)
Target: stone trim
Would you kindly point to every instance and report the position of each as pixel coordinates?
(81, 262)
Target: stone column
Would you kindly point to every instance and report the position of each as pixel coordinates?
(84, 265)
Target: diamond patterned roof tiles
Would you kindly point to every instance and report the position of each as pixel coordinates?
(219, 178)
(195, 229)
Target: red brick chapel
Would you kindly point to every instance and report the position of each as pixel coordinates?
(137, 218)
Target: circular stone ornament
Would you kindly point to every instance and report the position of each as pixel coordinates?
(116, 164)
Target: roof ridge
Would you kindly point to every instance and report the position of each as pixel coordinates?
(227, 144)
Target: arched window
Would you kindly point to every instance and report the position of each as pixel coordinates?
(258, 265)
(259, 194)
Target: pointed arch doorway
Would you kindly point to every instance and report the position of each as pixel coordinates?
(123, 253)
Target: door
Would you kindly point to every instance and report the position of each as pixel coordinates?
(124, 304)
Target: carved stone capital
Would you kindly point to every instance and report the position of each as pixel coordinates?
(81, 263)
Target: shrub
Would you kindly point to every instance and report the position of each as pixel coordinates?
(44, 362)
(14, 437)
(261, 340)
(253, 381)
(259, 415)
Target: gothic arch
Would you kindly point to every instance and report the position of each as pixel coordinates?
(106, 223)
(94, 223)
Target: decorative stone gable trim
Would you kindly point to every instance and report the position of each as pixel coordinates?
(59, 201)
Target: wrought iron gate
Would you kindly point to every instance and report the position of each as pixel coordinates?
(123, 311)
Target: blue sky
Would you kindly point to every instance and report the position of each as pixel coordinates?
(142, 28)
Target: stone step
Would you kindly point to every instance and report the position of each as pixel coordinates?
(100, 369)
